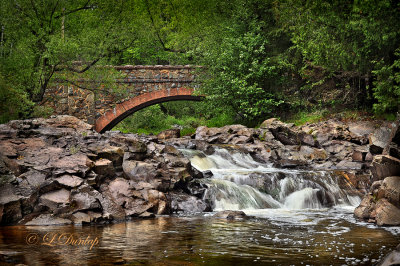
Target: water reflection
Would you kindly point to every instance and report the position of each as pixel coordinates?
(205, 240)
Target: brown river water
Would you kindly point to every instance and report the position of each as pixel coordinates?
(325, 237)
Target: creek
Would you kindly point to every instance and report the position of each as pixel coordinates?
(296, 218)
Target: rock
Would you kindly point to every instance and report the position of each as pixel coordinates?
(57, 201)
(375, 189)
(87, 198)
(67, 121)
(313, 153)
(84, 199)
(137, 170)
(230, 215)
(75, 164)
(384, 166)
(391, 188)
(387, 213)
(104, 168)
(287, 163)
(69, 181)
(132, 142)
(48, 219)
(205, 147)
(194, 172)
(122, 193)
(379, 139)
(393, 150)
(146, 215)
(362, 128)
(232, 134)
(288, 134)
(393, 258)
(112, 153)
(364, 210)
(189, 204)
(169, 149)
(359, 156)
(85, 218)
(349, 165)
(369, 157)
(169, 133)
(10, 205)
(324, 166)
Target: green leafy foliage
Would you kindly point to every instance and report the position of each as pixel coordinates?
(14, 102)
(387, 86)
(261, 58)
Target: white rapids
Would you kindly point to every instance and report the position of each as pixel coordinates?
(241, 183)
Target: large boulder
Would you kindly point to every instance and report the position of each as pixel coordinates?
(138, 170)
(391, 189)
(57, 201)
(380, 139)
(366, 207)
(362, 128)
(288, 134)
(69, 181)
(181, 202)
(384, 166)
(232, 134)
(387, 213)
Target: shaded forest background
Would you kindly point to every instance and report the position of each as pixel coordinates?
(297, 60)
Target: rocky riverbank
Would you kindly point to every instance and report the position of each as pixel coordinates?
(60, 171)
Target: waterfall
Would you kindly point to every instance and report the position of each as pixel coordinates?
(240, 183)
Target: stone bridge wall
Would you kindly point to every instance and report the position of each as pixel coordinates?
(90, 104)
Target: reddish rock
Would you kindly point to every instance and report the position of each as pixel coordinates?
(367, 205)
(56, 201)
(104, 168)
(387, 213)
(391, 188)
(384, 166)
(369, 157)
(70, 181)
(169, 134)
(359, 156)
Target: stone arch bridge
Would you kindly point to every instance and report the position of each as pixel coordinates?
(142, 86)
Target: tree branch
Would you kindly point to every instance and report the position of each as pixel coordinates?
(84, 7)
(52, 12)
(158, 33)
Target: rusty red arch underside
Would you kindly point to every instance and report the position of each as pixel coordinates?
(122, 110)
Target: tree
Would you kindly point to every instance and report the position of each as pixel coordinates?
(346, 38)
(45, 37)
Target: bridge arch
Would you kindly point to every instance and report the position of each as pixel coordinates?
(122, 110)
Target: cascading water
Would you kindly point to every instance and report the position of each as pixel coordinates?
(240, 183)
